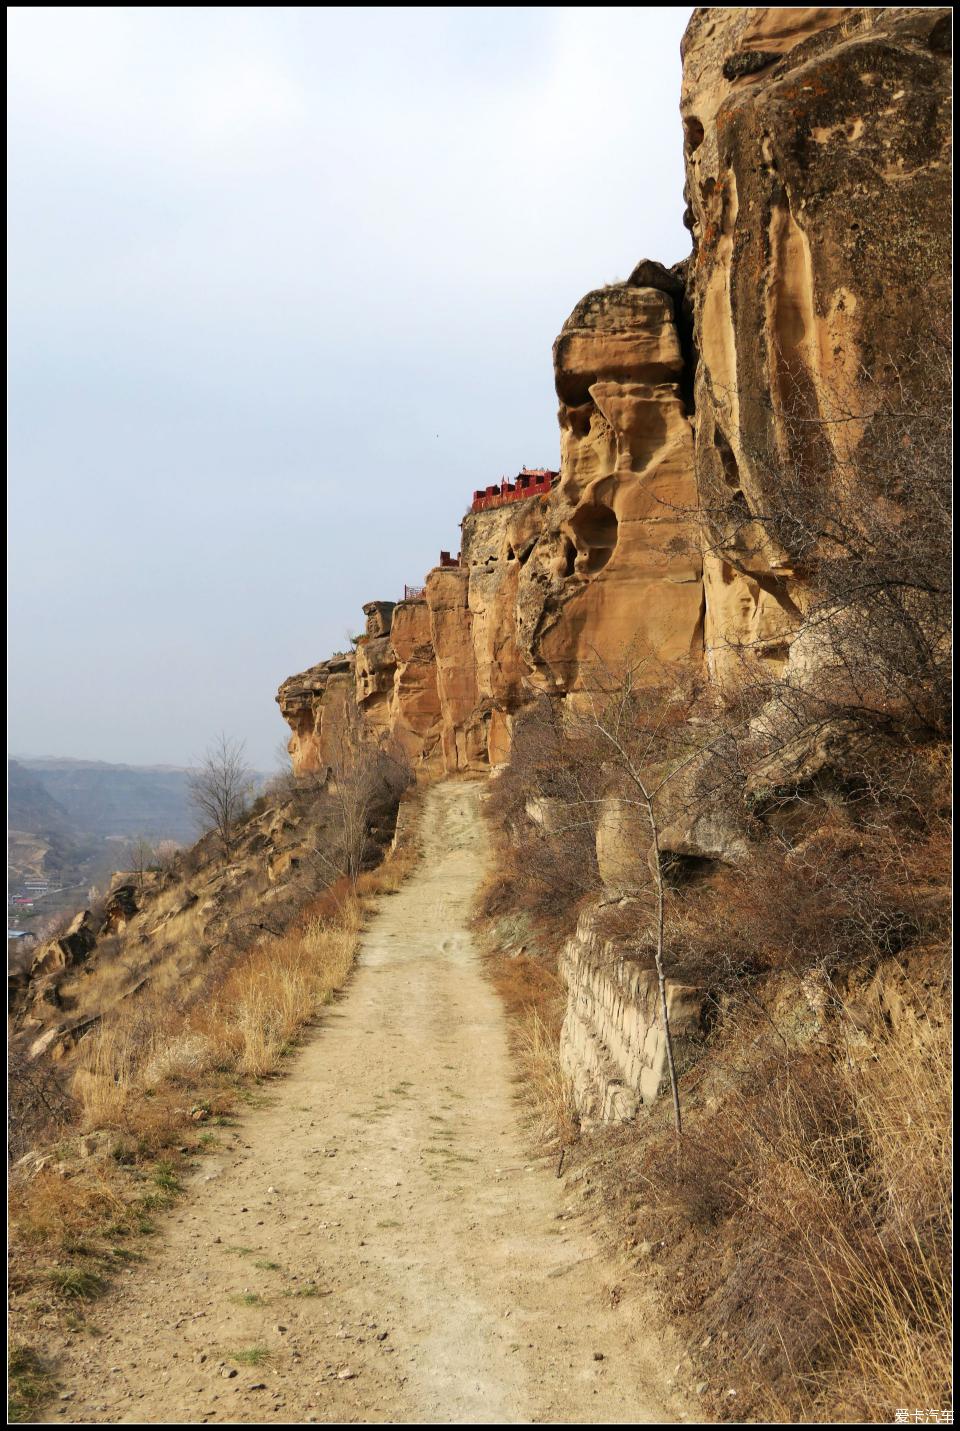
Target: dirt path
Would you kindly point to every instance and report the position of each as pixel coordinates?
(388, 1180)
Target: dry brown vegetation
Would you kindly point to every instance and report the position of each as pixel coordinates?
(799, 1230)
(521, 963)
(150, 1083)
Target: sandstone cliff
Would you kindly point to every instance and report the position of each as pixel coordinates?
(816, 157)
(725, 437)
(816, 145)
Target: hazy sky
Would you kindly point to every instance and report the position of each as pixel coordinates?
(284, 288)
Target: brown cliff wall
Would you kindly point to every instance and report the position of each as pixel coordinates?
(816, 146)
(551, 588)
(816, 153)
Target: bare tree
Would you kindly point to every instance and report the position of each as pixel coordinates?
(364, 777)
(39, 1104)
(631, 744)
(165, 855)
(141, 856)
(220, 789)
(851, 497)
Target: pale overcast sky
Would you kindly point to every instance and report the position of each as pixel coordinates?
(284, 284)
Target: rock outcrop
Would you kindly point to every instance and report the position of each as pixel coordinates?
(816, 146)
(816, 152)
(552, 589)
(315, 705)
(617, 569)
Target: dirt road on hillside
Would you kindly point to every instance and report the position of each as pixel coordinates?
(379, 1230)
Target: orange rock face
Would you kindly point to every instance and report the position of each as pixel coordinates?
(549, 588)
(617, 570)
(816, 146)
(314, 704)
(415, 715)
(817, 174)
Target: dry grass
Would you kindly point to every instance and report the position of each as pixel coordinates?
(268, 998)
(800, 1229)
(806, 1218)
(537, 1045)
(885, 1278)
(534, 998)
(62, 1211)
(30, 1382)
(148, 1081)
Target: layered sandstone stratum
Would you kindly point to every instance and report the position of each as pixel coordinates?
(816, 150)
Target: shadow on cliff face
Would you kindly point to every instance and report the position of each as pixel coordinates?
(595, 528)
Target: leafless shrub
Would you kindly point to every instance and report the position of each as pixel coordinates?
(359, 792)
(821, 1183)
(39, 1104)
(851, 496)
(220, 790)
(546, 865)
(140, 856)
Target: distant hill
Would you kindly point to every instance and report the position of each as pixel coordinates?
(30, 806)
(96, 798)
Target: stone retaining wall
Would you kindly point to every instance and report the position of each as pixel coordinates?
(612, 1043)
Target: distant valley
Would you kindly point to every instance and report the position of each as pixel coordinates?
(98, 798)
(70, 824)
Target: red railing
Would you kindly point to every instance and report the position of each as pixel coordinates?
(531, 482)
(414, 593)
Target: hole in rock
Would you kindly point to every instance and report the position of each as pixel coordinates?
(595, 527)
(693, 132)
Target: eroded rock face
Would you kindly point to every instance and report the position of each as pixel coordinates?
(549, 588)
(462, 723)
(496, 547)
(617, 570)
(313, 704)
(70, 949)
(816, 146)
(415, 718)
(817, 188)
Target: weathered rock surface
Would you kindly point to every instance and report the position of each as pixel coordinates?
(415, 718)
(612, 1044)
(816, 145)
(70, 949)
(816, 150)
(549, 589)
(617, 570)
(313, 704)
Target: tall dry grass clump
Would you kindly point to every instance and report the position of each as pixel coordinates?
(537, 1046)
(266, 1001)
(246, 1026)
(886, 1276)
(814, 1193)
(534, 998)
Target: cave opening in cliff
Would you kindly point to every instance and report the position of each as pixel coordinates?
(693, 133)
(595, 529)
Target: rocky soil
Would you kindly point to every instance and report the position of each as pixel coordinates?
(376, 1243)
